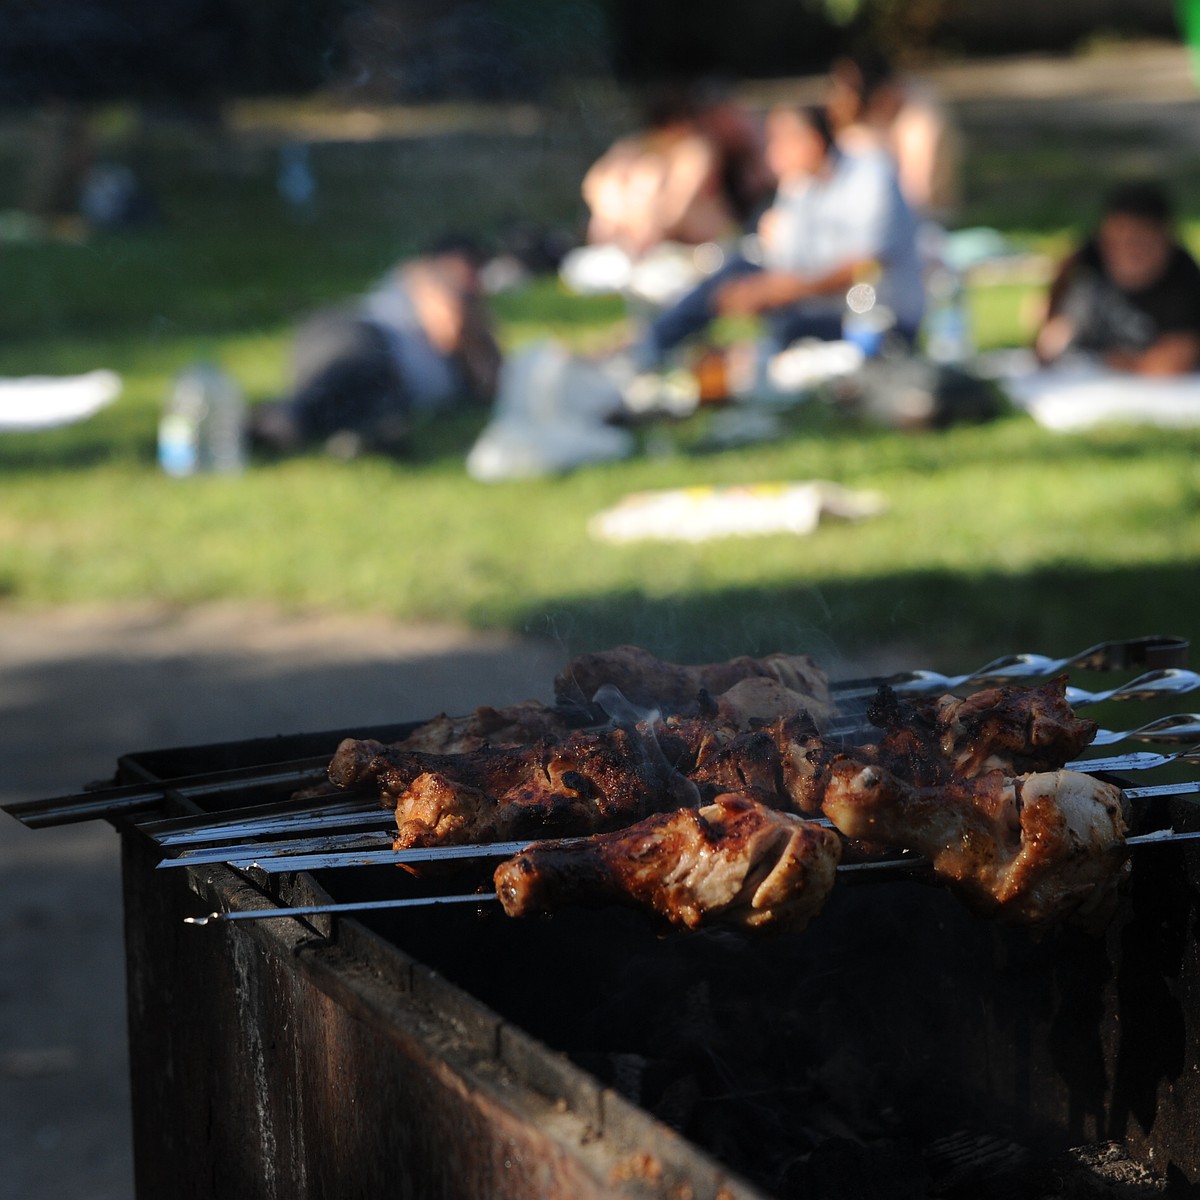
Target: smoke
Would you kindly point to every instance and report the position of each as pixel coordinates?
(681, 791)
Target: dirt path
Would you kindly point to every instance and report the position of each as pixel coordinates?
(76, 690)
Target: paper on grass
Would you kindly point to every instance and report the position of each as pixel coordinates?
(699, 514)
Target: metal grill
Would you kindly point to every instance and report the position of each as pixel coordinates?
(899, 1047)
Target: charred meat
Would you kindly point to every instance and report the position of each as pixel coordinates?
(512, 725)
(586, 782)
(732, 862)
(1013, 729)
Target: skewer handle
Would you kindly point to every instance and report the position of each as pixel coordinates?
(136, 797)
(1157, 652)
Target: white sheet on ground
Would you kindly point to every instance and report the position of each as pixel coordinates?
(1082, 393)
(43, 401)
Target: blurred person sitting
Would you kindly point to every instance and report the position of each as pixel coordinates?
(1130, 295)
(694, 174)
(872, 107)
(836, 219)
(420, 342)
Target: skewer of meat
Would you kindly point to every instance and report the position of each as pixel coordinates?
(587, 782)
(1031, 849)
(924, 743)
(600, 780)
(1016, 729)
(756, 698)
(732, 862)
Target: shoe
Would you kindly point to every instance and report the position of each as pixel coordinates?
(273, 427)
(346, 445)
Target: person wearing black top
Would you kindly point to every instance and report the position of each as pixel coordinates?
(1130, 294)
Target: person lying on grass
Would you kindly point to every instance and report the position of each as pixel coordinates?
(421, 341)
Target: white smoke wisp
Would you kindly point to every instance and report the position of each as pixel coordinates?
(622, 711)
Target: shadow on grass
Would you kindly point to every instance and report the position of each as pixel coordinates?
(65, 450)
(954, 617)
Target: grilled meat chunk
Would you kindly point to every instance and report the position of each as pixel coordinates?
(1013, 729)
(732, 862)
(584, 783)
(651, 683)
(512, 725)
(782, 760)
(1031, 849)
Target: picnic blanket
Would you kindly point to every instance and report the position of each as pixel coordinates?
(43, 401)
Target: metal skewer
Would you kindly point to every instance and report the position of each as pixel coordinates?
(1171, 681)
(275, 861)
(1180, 727)
(1137, 761)
(360, 811)
(1158, 652)
(293, 848)
(343, 843)
(137, 797)
(1153, 685)
(884, 870)
(307, 910)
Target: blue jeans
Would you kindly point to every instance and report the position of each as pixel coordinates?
(693, 312)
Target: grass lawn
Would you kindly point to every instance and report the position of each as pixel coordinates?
(997, 538)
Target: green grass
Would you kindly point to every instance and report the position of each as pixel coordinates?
(997, 538)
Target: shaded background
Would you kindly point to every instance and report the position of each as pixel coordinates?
(196, 51)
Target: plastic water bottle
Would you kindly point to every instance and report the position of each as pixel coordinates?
(296, 182)
(203, 424)
(947, 325)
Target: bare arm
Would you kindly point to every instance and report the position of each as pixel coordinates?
(777, 289)
(1172, 354)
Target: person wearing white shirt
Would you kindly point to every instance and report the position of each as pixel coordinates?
(837, 219)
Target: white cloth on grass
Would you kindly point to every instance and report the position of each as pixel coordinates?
(1082, 393)
(44, 401)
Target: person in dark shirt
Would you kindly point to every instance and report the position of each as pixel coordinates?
(1130, 294)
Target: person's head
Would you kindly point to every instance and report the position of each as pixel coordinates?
(861, 87)
(667, 103)
(798, 141)
(1135, 237)
(458, 259)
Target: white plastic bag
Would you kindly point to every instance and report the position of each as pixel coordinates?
(550, 415)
